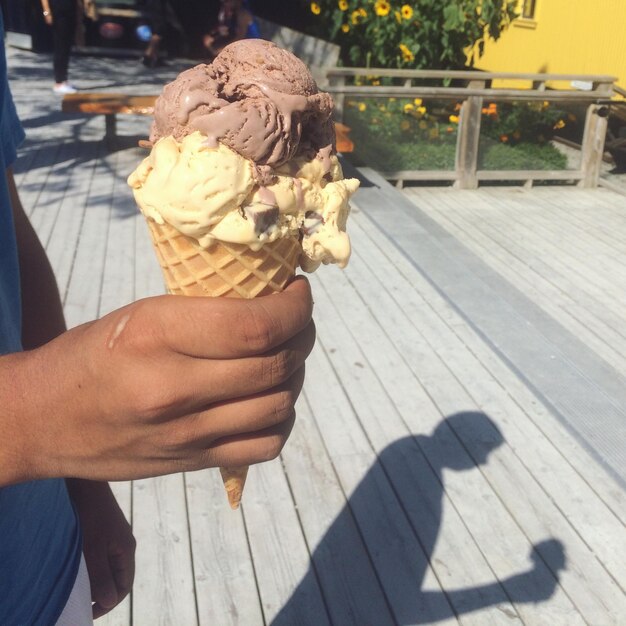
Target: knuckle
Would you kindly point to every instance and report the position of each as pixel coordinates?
(160, 401)
(272, 447)
(283, 406)
(258, 330)
(134, 328)
(278, 367)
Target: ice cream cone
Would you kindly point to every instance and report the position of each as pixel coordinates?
(224, 269)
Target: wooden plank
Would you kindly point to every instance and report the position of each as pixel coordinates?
(529, 498)
(551, 255)
(457, 561)
(468, 74)
(468, 137)
(225, 584)
(82, 297)
(593, 590)
(118, 275)
(460, 93)
(530, 280)
(504, 546)
(528, 174)
(92, 103)
(164, 585)
(279, 550)
(339, 560)
(399, 560)
(44, 212)
(64, 235)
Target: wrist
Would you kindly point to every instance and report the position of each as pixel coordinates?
(20, 460)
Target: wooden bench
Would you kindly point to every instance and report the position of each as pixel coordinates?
(112, 104)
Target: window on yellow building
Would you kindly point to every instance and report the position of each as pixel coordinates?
(528, 9)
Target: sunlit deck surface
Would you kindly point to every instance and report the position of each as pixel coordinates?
(460, 451)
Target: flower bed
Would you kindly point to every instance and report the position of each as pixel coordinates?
(402, 134)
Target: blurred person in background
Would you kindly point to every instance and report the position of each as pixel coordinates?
(234, 21)
(61, 16)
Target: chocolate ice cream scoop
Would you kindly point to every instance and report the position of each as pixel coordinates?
(255, 98)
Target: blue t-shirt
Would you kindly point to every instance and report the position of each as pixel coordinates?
(40, 541)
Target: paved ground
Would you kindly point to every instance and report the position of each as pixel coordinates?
(458, 456)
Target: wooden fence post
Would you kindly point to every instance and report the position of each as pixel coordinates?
(466, 159)
(592, 149)
(339, 98)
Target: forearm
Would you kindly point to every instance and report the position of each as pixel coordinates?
(42, 312)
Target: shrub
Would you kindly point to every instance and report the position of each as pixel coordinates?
(437, 34)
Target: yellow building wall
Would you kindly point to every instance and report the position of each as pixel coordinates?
(566, 37)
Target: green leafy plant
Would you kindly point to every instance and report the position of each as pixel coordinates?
(405, 134)
(523, 122)
(437, 34)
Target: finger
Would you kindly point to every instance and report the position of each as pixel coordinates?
(226, 328)
(246, 415)
(103, 589)
(123, 569)
(249, 448)
(217, 381)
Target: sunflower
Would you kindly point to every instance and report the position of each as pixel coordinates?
(408, 107)
(407, 55)
(454, 119)
(316, 9)
(345, 28)
(406, 11)
(343, 5)
(362, 106)
(382, 7)
(357, 16)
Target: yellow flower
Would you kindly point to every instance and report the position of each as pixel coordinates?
(405, 125)
(343, 5)
(454, 119)
(408, 107)
(559, 124)
(417, 102)
(407, 12)
(362, 106)
(345, 28)
(358, 15)
(398, 17)
(382, 7)
(421, 110)
(315, 8)
(407, 55)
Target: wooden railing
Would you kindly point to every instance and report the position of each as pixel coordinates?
(592, 91)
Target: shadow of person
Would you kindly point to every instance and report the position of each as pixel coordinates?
(371, 563)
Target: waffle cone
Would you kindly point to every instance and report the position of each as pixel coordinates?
(225, 269)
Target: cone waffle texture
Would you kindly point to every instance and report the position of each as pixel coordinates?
(225, 269)
(234, 479)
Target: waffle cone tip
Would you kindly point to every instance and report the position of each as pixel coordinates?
(234, 479)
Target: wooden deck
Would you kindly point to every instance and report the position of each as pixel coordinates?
(459, 455)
